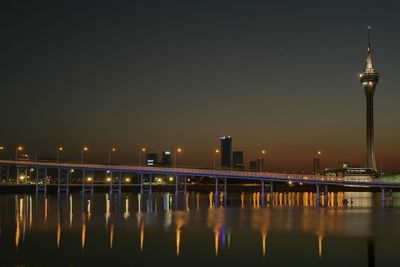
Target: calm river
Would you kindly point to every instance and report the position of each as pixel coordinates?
(158, 230)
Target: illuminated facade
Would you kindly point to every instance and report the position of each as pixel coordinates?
(369, 79)
(151, 159)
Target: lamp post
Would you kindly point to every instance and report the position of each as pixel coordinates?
(143, 149)
(109, 155)
(19, 148)
(178, 150)
(262, 153)
(316, 162)
(216, 151)
(59, 149)
(2, 149)
(70, 176)
(84, 149)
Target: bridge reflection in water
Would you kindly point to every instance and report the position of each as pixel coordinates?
(197, 223)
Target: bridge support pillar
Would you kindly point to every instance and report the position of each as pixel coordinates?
(83, 183)
(62, 181)
(390, 197)
(87, 185)
(225, 192)
(317, 195)
(262, 193)
(120, 183)
(116, 187)
(271, 194)
(216, 192)
(176, 185)
(22, 175)
(185, 186)
(109, 178)
(4, 172)
(326, 195)
(145, 183)
(141, 184)
(383, 196)
(41, 180)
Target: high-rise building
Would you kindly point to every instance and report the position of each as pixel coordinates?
(237, 160)
(166, 158)
(317, 163)
(316, 166)
(226, 151)
(260, 165)
(151, 159)
(253, 166)
(369, 79)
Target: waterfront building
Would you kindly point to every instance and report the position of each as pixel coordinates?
(253, 166)
(152, 159)
(237, 160)
(166, 158)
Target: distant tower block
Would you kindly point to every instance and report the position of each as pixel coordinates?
(369, 79)
(226, 151)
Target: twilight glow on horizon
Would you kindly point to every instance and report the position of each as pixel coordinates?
(280, 77)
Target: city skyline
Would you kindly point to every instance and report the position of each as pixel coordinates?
(181, 76)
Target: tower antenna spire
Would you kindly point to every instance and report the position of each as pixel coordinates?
(369, 38)
(369, 57)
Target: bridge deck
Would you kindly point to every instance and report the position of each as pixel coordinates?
(238, 175)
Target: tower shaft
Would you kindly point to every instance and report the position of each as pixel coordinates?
(370, 162)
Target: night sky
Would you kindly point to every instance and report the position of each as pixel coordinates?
(275, 75)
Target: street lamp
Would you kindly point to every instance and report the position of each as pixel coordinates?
(60, 149)
(1, 148)
(178, 150)
(84, 149)
(262, 153)
(216, 151)
(19, 148)
(143, 149)
(316, 162)
(109, 155)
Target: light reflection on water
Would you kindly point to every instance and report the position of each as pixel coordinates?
(199, 228)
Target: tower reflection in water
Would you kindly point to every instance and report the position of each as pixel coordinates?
(198, 215)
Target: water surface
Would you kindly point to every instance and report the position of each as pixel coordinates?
(134, 230)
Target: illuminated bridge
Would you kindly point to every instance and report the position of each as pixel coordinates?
(113, 175)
